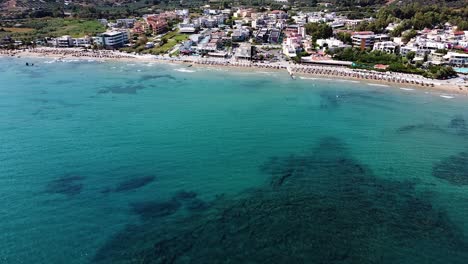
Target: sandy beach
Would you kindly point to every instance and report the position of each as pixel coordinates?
(303, 71)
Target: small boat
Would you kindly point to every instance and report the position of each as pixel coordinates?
(189, 66)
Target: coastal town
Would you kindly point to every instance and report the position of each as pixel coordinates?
(285, 38)
(234, 131)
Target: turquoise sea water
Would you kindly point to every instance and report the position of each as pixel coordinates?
(153, 163)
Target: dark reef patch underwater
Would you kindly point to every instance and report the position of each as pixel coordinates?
(458, 123)
(152, 209)
(453, 169)
(319, 207)
(456, 126)
(119, 89)
(134, 183)
(332, 100)
(421, 127)
(66, 185)
(154, 77)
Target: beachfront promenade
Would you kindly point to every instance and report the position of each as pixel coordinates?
(67, 53)
(454, 85)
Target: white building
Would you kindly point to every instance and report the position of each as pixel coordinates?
(336, 24)
(244, 51)
(454, 58)
(353, 22)
(187, 27)
(112, 39)
(391, 27)
(363, 41)
(331, 43)
(330, 16)
(226, 11)
(290, 47)
(404, 50)
(463, 43)
(82, 42)
(182, 12)
(300, 19)
(64, 42)
(315, 19)
(430, 44)
(126, 22)
(240, 34)
(398, 40)
(386, 46)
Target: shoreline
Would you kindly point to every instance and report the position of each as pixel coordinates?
(302, 71)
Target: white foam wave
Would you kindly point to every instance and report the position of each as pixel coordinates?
(66, 60)
(350, 81)
(69, 60)
(446, 96)
(312, 78)
(378, 85)
(183, 70)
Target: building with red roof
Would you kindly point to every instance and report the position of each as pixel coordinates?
(157, 24)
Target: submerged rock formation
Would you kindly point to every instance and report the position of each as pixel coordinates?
(458, 124)
(134, 183)
(421, 127)
(453, 169)
(66, 185)
(319, 207)
(152, 209)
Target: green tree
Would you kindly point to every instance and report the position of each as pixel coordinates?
(441, 51)
(345, 37)
(440, 72)
(142, 40)
(319, 30)
(410, 55)
(407, 36)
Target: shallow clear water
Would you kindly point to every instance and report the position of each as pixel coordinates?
(94, 157)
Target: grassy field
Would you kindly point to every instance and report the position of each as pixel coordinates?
(172, 38)
(53, 27)
(175, 35)
(162, 49)
(18, 30)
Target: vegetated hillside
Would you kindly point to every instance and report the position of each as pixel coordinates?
(38, 28)
(11, 5)
(30, 4)
(99, 3)
(92, 8)
(364, 3)
(359, 2)
(448, 3)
